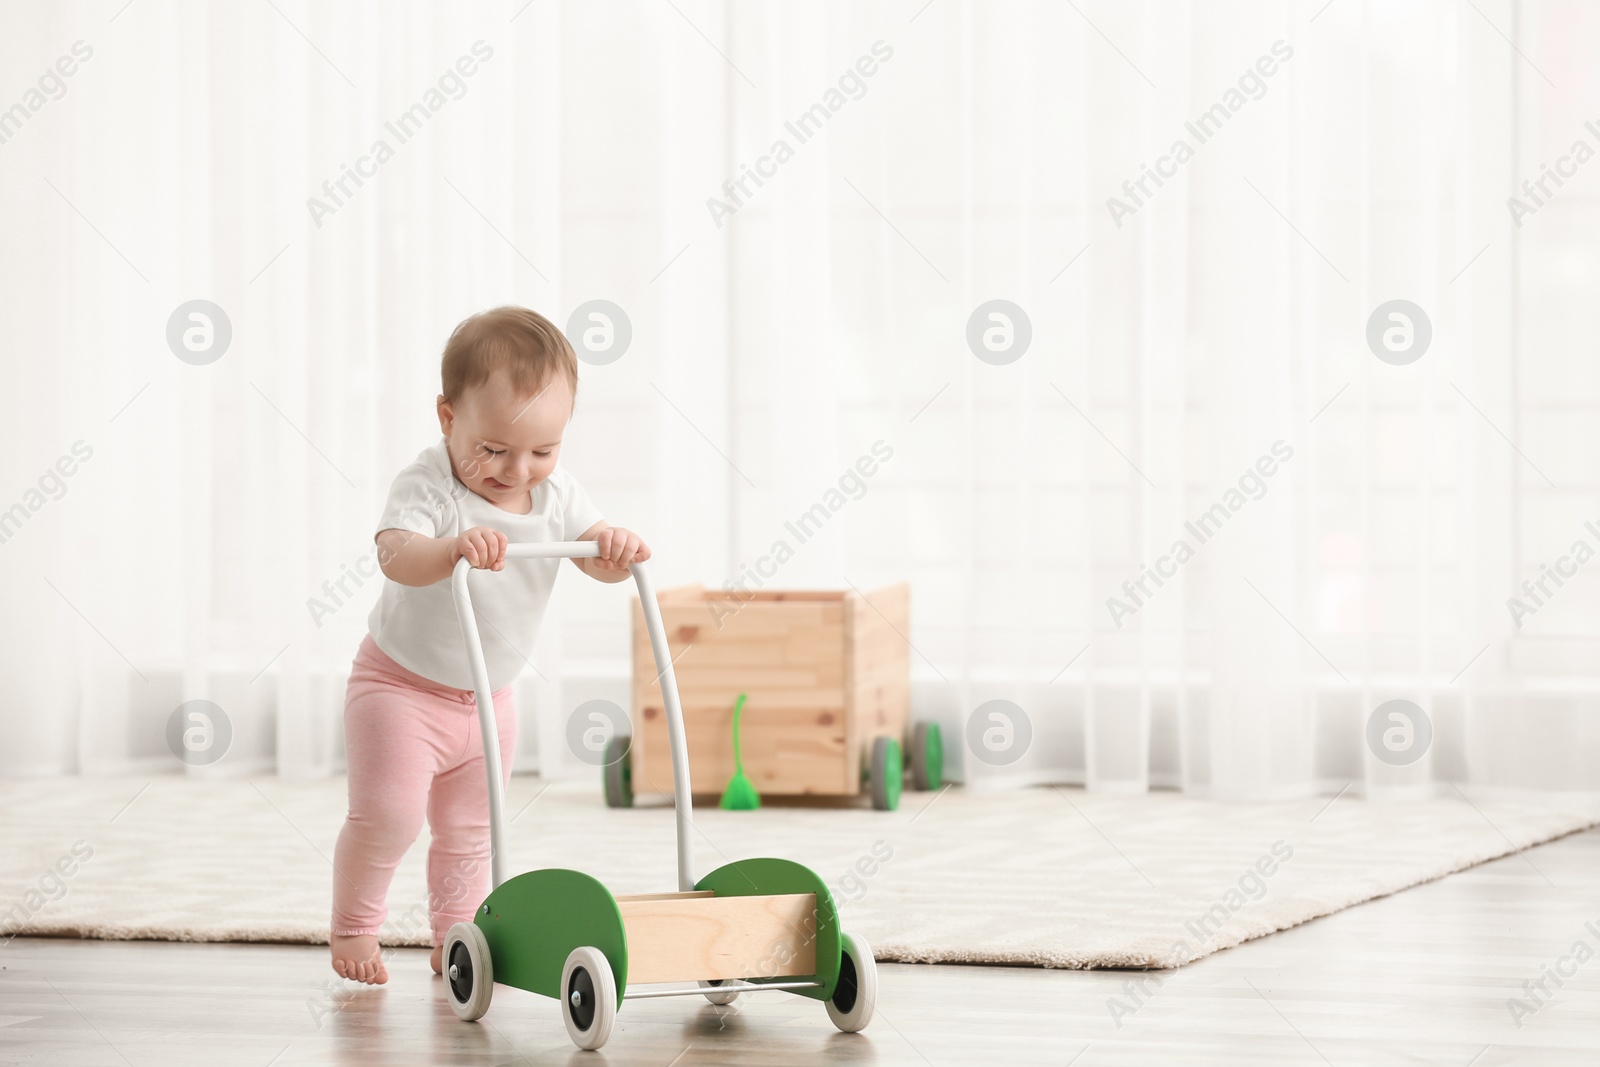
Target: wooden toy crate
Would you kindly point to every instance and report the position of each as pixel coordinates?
(827, 674)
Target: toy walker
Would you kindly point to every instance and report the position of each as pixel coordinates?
(748, 926)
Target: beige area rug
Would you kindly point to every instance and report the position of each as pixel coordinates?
(1048, 877)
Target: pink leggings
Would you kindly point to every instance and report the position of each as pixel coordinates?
(413, 749)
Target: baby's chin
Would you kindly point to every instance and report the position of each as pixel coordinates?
(493, 492)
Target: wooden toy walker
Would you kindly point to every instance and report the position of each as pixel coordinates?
(748, 926)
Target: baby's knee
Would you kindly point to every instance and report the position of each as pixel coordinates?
(459, 819)
(394, 827)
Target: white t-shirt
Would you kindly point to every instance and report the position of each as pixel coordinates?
(417, 626)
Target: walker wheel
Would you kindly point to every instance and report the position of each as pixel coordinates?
(927, 757)
(887, 772)
(588, 997)
(719, 999)
(617, 774)
(856, 993)
(468, 974)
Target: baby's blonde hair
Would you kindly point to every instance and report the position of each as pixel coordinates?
(522, 342)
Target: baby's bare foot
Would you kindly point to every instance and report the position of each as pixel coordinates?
(436, 961)
(358, 957)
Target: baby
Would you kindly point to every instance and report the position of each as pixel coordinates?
(410, 718)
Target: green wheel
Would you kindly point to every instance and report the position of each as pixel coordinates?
(927, 756)
(617, 774)
(886, 774)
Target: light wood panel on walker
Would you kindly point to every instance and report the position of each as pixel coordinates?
(826, 672)
(681, 937)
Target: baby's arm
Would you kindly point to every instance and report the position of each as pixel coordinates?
(410, 558)
(618, 548)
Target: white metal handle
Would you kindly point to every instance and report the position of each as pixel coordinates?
(682, 794)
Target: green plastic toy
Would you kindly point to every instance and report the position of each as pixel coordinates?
(741, 793)
(563, 934)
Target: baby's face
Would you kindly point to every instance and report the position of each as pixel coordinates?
(502, 445)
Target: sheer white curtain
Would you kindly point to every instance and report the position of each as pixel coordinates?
(792, 309)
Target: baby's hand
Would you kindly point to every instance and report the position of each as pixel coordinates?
(618, 548)
(481, 546)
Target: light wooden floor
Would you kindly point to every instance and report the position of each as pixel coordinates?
(1419, 978)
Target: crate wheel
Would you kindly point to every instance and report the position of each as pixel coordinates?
(886, 774)
(617, 774)
(927, 757)
(857, 991)
(468, 974)
(588, 997)
(718, 998)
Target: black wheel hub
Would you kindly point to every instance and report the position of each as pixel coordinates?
(460, 964)
(580, 998)
(844, 994)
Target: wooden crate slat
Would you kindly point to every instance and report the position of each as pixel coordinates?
(747, 679)
(794, 751)
(762, 698)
